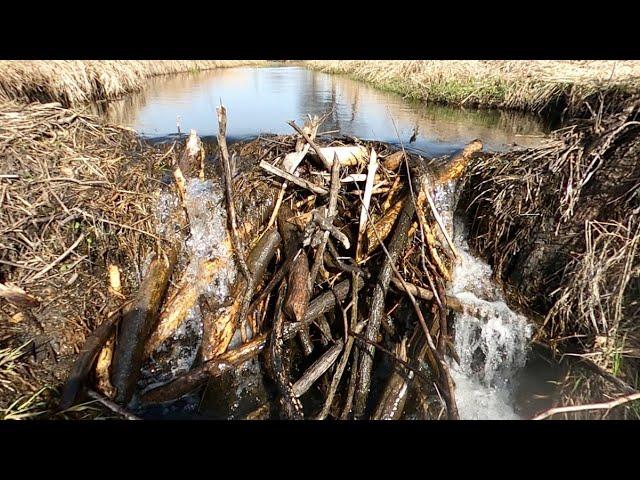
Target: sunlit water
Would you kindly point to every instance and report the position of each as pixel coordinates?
(263, 99)
(491, 340)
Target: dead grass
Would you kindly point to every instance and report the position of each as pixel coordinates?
(75, 196)
(73, 82)
(538, 86)
(560, 223)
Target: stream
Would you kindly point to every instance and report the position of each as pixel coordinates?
(498, 372)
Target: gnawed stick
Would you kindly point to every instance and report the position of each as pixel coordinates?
(137, 325)
(317, 369)
(185, 383)
(229, 172)
(103, 364)
(86, 358)
(326, 163)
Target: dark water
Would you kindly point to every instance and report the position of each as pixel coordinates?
(262, 100)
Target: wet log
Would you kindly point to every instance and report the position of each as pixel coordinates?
(86, 358)
(223, 325)
(137, 325)
(457, 163)
(394, 395)
(396, 247)
(189, 381)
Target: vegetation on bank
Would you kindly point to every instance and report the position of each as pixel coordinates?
(536, 86)
(560, 224)
(73, 82)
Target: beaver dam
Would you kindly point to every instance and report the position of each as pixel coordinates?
(315, 275)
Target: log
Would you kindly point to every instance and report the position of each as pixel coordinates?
(348, 156)
(396, 247)
(84, 362)
(222, 327)
(191, 380)
(137, 325)
(457, 163)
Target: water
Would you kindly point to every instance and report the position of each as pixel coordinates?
(491, 339)
(262, 100)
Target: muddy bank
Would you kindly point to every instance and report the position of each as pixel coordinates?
(560, 225)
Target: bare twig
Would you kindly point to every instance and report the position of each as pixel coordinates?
(591, 406)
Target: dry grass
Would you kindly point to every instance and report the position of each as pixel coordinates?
(75, 196)
(539, 86)
(73, 82)
(560, 222)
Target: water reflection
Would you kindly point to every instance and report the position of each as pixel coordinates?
(262, 100)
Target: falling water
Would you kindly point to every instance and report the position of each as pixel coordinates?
(491, 340)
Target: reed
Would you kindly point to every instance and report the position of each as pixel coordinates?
(73, 82)
(537, 86)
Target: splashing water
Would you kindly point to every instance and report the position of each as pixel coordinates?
(490, 339)
(207, 219)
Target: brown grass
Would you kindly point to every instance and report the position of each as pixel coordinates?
(73, 82)
(81, 200)
(560, 223)
(538, 86)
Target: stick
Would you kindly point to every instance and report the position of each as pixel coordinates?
(59, 259)
(293, 179)
(228, 180)
(318, 151)
(114, 407)
(591, 406)
(315, 371)
(333, 201)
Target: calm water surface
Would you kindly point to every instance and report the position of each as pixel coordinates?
(262, 100)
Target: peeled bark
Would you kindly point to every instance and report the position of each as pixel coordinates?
(137, 325)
